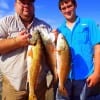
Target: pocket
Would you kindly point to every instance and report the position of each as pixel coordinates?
(13, 32)
(82, 36)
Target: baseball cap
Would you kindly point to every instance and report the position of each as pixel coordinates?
(28, 0)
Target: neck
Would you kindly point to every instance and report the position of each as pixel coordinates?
(27, 21)
(71, 21)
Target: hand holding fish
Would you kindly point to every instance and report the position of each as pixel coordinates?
(22, 39)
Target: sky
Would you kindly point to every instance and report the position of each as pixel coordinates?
(48, 11)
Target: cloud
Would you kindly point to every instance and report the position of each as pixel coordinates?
(4, 13)
(4, 5)
(39, 7)
(52, 22)
(1, 13)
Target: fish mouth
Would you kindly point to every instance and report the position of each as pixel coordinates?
(35, 37)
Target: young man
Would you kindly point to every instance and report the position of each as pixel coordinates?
(83, 38)
(15, 31)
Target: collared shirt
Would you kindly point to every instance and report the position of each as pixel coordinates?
(81, 39)
(13, 64)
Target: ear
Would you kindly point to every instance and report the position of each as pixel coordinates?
(76, 5)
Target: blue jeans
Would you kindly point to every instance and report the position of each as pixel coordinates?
(78, 90)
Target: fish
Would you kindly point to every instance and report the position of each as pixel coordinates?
(63, 63)
(48, 39)
(34, 58)
(50, 54)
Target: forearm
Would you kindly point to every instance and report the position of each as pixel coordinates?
(7, 45)
(97, 59)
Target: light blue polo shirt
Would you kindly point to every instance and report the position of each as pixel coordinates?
(81, 39)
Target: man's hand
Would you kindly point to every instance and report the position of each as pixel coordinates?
(23, 38)
(93, 80)
(55, 33)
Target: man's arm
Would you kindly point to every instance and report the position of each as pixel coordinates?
(97, 59)
(10, 44)
(95, 77)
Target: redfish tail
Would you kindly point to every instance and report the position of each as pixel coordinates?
(62, 91)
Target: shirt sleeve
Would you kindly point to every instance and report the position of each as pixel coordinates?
(3, 28)
(94, 33)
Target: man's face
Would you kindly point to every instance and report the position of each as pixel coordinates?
(24, 8)
(68, 10)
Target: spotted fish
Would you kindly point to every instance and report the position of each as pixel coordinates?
(63, 63)
(34, 58)
(50, 54)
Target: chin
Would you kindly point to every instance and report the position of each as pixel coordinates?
(68, 17)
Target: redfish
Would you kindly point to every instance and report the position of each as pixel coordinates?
(34, 58)
(50, 54)
(63, 63)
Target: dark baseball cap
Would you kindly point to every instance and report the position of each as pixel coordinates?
(28, 0)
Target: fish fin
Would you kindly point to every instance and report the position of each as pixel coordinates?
(32, 97)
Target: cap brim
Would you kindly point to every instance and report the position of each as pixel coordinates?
(28, 0)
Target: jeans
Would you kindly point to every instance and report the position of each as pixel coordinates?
(78, 90)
